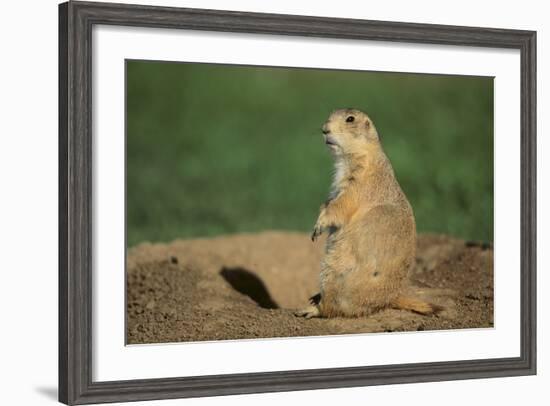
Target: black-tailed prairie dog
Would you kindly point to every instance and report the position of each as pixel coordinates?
(371, 242)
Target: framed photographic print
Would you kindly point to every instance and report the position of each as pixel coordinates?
(258, 202)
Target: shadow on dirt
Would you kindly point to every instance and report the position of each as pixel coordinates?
(249, 284)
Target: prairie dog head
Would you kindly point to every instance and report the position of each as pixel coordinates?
(349, 131)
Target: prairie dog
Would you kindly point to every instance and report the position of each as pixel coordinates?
(371, 244)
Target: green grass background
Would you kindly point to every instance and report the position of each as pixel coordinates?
(218, 149)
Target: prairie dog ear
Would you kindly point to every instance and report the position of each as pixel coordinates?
(371, 131)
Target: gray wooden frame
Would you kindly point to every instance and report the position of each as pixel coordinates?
(76, 20)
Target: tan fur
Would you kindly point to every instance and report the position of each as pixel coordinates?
(372, 233)
(414, 304)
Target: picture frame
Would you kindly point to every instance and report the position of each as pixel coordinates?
(76, 352)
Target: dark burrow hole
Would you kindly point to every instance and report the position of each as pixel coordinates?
(249, 284)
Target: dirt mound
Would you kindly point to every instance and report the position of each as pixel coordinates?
(246, 286)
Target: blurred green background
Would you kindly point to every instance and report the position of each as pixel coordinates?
(220, 149)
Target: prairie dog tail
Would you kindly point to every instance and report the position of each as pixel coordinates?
(415, 304)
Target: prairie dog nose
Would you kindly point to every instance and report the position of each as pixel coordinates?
(325, 129)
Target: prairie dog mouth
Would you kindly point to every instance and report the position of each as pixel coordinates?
(329, 141)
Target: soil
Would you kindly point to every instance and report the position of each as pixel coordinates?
(247, 286)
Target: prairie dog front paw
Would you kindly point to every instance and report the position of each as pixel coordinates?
(320, 226)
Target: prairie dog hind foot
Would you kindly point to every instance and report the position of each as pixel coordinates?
(308, 312)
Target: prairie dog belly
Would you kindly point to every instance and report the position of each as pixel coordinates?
(367, 262)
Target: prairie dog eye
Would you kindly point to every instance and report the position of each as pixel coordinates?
(350, 119)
